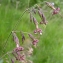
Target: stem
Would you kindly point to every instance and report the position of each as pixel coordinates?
(28, 3)
(5, 54)
(23, 32)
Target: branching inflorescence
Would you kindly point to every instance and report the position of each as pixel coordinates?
(19, 51)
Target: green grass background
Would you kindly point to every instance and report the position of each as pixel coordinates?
(50, 46)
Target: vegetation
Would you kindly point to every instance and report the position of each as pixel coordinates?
(50, 45)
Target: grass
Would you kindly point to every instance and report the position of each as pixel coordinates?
(50, 47)
(8, 20)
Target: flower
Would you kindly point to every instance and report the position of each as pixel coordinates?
(35, 41)
(38, 31)
(56, 11)
(15, 38)
(18, 49)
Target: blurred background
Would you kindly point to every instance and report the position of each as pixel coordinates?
(50, 46)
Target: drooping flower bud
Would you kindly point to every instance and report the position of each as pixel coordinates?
(21, 57)
(38, 31)
(18, 49)
(35, 41)
(15, 38)
(35, 22)
(18, 55)
(56, 11)
(23, 37)
(41, 14)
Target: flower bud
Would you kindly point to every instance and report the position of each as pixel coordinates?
(40, 13)
(18, 49)
(35, 42)
(35, 22)
(38, 31)
(23, 37)
(15, 38)
(21, 57)
(56, 11)
(42, 17)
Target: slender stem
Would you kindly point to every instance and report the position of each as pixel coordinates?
(5, 54)
(28, 3)
(23, 32)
